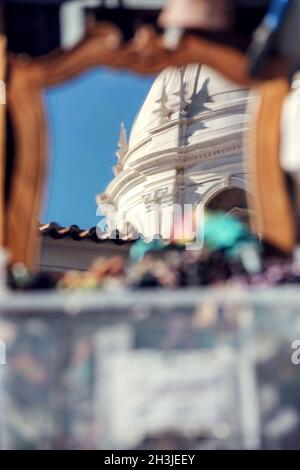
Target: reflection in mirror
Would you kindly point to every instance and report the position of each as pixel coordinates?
(84, 118)
(185, 151)
(149, 149)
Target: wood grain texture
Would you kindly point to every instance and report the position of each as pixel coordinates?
(275, 218)
(2, 133)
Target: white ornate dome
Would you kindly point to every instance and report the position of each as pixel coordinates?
(195, 88)
(185, 146)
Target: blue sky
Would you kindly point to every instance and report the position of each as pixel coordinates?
(84, 118)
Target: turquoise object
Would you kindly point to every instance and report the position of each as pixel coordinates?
(223, 231)
(141, 247)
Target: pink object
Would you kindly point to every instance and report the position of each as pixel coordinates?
(212, 15)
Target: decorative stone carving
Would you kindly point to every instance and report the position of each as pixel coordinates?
(117, 169)
(102, 198)
(181, 151)
(226, 181)
(122, 149)
(162, 197)
(122, 144)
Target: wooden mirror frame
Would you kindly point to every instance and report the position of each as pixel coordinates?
(102, 46)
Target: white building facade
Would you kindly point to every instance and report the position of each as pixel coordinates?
(185, 148)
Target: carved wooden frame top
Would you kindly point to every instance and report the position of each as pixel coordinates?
(102, 46)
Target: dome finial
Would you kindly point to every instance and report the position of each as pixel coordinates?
(122, 144)
(122, 149)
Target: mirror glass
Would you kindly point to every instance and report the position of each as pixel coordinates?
(147, 147)
(84, 118)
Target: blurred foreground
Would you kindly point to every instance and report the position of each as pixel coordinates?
(181, 370)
